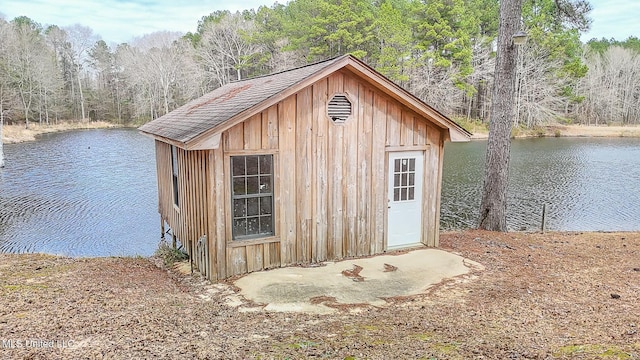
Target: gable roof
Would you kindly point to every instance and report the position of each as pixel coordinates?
(189, 125)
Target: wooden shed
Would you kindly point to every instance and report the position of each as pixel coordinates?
(322, 162)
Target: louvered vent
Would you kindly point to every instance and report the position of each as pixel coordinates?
(339, 108)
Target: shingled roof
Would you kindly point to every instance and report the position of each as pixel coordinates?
(239, 100)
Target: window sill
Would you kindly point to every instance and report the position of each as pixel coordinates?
(248, 242)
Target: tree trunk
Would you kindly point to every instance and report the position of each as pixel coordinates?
(493, 207)
(81, 94)
(1, 146)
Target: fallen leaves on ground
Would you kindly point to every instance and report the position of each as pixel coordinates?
(541, 296)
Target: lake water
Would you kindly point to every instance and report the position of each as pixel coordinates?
(93, 193)
(587, 184)
(80, 193)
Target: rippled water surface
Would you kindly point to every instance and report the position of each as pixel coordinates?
(94, 193)
(586, 184)
(81, 193)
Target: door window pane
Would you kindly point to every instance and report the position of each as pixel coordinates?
(404, 179)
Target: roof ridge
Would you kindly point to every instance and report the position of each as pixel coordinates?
(289, 70)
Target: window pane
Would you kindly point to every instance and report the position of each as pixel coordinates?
(411, 193)
(252, 185)
(404, 165)
(239, 227)
(404, 179)
(237, 163)
(265, 184)
(396, 194)
(174, 160)
(266, 226)
(403, 194)
(252, 200)
(238, 186)
(412, 179)
(253, 226)
(265, 206)
(265, 164)
(239, 208)
(252, 165)
(396, 180)
(396, 166)
(412, 164)
(252, 206)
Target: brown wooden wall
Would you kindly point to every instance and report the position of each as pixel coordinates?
(330, 180)
(331, 184)
(189, 220)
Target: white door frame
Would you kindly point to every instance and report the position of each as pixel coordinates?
(405, 180)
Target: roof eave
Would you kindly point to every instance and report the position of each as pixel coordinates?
(164, 139)
(455, 132)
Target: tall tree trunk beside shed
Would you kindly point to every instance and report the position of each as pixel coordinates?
(1, 124)
(493, 207)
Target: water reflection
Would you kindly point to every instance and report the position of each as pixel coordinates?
(85, 193)
(587, 184)
(93, 193)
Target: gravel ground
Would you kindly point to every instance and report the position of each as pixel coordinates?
(541, 296)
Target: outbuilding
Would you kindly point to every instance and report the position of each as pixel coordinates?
(322, 162)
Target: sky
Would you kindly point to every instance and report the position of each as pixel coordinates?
(118, 21)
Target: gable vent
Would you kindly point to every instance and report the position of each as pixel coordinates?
(339, 109)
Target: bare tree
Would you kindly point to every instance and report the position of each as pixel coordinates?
(81, 39)
(23, 69)
(5, 81)
(493, 207)
(435, 85)
(161, 69)
(539, 87)
(484, 64)
(224, 49)
(611, 88)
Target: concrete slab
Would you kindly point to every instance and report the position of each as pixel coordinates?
(355, 281)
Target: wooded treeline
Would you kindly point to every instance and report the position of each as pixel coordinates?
(441, 50)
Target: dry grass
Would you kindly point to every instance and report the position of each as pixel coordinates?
(18, 133)
(570, 131)
(542, 296)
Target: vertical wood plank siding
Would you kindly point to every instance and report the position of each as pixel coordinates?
(330, 179)
(188, 221)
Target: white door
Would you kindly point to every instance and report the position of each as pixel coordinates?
(405, 198)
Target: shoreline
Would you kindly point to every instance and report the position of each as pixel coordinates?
(13, 134)
(569, 131)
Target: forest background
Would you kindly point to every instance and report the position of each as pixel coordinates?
(443, 51)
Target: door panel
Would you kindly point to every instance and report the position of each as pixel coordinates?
(405, 175)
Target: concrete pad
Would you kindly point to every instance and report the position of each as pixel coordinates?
(355, 281)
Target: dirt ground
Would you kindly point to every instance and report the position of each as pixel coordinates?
(541, 296)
